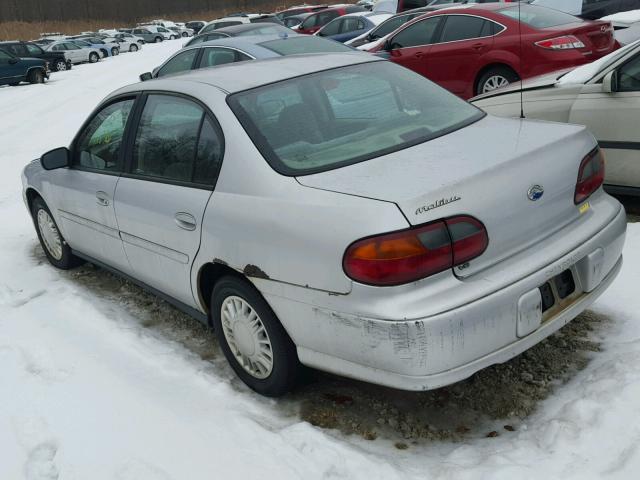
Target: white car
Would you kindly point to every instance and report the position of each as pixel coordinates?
(603, 95)
(125, 45)
(231, 21)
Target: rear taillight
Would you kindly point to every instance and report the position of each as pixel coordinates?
(590, 175)
(409, 255)
(565, 42)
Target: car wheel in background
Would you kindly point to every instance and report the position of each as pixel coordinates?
(174, 37)
(52, 241)
(133, 47)
(158, 39)
(185, 34)
(105, 53)
(115, 51)
(14, 84)
(36, 76)
(60, 66)
(254, 342)
(94, 57)
(494, 78)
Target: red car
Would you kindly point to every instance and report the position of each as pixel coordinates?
(316, 21)
(289, 12)
(480, 48)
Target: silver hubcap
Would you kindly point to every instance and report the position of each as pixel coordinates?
(50, 235)
(495, 82)
(246, 336)
(62, 66)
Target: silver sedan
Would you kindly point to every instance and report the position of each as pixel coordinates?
(336, 211)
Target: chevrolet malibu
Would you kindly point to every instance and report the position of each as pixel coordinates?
(336, 211)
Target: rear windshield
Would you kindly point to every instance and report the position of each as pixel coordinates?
(304, 44)
(539, 17)
(337, 117)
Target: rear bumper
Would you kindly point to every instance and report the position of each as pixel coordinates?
(440, 349)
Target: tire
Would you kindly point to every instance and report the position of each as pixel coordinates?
(185, 34)
(133, 47)
(158, 39)
(36, 76)
(240, 334)
(105, 53)
(58, 254)
(94, 57)
(495, 77)
(60, 66)
(14, 84)
(115, 52)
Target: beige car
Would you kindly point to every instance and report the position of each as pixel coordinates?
(603, 95)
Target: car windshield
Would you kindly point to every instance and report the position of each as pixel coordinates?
(342, 116)
(539, 17)
(304, 44)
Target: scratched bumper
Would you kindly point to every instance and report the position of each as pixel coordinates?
(430, 352)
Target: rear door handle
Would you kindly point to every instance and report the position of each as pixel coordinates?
(102, 198)
(418, 55)
(478, 46)
(186, 221)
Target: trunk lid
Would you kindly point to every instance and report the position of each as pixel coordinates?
(485, 170)
(597, 36)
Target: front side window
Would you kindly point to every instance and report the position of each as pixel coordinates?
(337, 117)
(176, 141)
(98, 146)
(419, 33)
(629, 76)
(350, 24)
(461, 27)
(389, 26)
(331, 28)
(180, 63)
(34, 49)
(310, 22)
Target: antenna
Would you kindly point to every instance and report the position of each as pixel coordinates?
(521, 82)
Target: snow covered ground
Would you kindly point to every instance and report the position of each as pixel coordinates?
(101, 381)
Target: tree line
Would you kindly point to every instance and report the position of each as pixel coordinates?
(121, 10)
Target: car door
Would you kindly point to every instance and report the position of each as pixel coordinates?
(214, 56)
(182, 62)
(613, 119)
(75, 53)
(350, 28)
(10, 69)
(455, 58)
(411, 45)
(160, 201)
(84, 193)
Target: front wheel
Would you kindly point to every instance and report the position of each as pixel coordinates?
(52, 241)
(252, 338)
(185, 34)
(93, 57)
(495, 78)
(36, 76)
(60, 66)
(115, 51)
(158, 39)
(133, 48)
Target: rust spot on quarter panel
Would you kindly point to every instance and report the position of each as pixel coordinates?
(254, 271)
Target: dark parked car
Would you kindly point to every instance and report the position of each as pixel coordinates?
(244, 30)
(14, 70)
(592, 9)
(319, 19)
(56, 60)
(195, 25)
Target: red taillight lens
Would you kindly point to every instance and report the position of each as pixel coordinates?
(409, 255)
(565, 42)
(590, 175)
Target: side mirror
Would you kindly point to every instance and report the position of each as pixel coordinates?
(610, 82)
(58, 158)
(13, 61)
(146, 76)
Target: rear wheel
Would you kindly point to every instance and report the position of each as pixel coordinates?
(254, 342)
(36, 76)
(52, 241)
(133, 47)
(158, 39)
(494, 78)
(115, 51)
(93, 57)
(60, 66)
(185, 34)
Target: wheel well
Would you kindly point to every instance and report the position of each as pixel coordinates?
(31, 196)
(208, 276)
(486, 68)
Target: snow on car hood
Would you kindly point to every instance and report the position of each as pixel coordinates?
(623, 19)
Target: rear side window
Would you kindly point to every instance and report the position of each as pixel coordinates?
(389, 26)
(213, 56)
(461, 27)
(4, 57)
(180, 63)
(349, 24)
(539, 17)
(331, 28)
(169, 145)
(98, 146)
(420, 33)
(34, 49)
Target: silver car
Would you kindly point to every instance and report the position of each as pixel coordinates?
(73, 52)
(339, 211)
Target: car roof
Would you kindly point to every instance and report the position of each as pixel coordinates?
(240, 76)
(246, 27)
(247, 44)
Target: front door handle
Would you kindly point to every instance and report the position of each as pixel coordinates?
(186, 221)
(102, 198)
(418, 55)
(478, 46)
